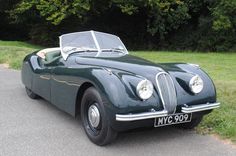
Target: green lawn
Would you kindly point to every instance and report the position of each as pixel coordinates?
(13, 52)
(220, 66)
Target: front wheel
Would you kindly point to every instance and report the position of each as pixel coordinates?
(95, 119)
(190, 125)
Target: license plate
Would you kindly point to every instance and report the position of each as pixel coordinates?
(172, 119)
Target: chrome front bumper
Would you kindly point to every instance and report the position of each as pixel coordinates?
(201, 107)
(156, 114)
(141, 116)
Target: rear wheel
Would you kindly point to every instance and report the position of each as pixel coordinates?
(31, 94)
(190, 125)
(94, 118)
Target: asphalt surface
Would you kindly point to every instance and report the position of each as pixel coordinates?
(37, 128)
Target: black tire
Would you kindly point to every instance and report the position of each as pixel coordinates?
(103, 134)
(191, 125)
(31, 94)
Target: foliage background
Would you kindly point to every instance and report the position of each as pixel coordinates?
(198, 25)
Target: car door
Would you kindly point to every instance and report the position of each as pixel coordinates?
(41, 78)
(64, 87)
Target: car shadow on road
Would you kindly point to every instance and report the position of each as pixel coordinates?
(146, 135)
(152, 135)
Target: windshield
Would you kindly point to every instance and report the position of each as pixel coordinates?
(90, 41)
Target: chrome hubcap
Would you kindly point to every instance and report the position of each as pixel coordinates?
(94, 116)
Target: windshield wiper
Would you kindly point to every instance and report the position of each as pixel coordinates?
(114, 50)
(78, 50)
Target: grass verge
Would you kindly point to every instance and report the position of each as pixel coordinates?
(13, 52)
(220, 66)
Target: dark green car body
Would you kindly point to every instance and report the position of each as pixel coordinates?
(63, 83)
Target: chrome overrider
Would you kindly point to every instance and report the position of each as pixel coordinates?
(162, 113)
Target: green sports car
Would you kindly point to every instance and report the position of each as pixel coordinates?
(92, 75)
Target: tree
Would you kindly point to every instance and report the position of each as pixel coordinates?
(209, 22)
(163, 16)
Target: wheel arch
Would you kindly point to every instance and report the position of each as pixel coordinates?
(80, 94)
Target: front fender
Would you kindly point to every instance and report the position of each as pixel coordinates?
(181, 74)
(119, 89)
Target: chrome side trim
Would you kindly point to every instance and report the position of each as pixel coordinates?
(141, 116)
(45, 77)
(200, 107)
(65, 82)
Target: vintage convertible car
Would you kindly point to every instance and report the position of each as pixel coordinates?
(92, 75)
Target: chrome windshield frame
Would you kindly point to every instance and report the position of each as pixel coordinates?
(99, 50)
(96, 42)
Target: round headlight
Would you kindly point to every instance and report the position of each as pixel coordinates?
(196, 84)
(144, 89)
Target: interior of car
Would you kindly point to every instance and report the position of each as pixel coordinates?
(49, 55)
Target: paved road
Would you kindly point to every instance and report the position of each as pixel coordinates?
(36, 128)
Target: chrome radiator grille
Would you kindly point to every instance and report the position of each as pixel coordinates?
(166, 90)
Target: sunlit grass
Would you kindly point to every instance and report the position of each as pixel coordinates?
(13, 52)
(18, 44)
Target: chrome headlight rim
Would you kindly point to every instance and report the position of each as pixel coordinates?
(196, 84)
(144, 89)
